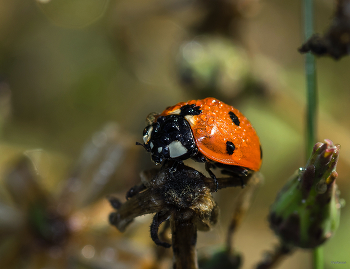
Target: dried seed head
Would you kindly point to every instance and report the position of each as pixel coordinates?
(173, 189)
(306, 211)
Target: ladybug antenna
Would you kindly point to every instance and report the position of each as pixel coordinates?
(139, 144)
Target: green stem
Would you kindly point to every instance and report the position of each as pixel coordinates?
(311, 86)
(310, 69)
(317, 258)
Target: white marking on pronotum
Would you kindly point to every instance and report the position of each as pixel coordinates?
(176, 112)
(176, 149)
(147, 135)
(160, 149)
(151, 145)
(191, 120)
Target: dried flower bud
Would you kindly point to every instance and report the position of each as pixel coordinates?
(307, 209)
(183, 193)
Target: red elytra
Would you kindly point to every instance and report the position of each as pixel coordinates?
(217, 124)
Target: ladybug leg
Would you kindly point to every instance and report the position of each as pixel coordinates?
(199, 158)
(242, 176)
(172, 165)
(208, 165)
(165, 163)
(236, 172)
(175, 165)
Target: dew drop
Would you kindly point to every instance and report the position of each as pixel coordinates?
(301, 171)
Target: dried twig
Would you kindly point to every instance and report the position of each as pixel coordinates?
(181, 197)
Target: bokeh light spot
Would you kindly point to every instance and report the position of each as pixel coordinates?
(88, 251)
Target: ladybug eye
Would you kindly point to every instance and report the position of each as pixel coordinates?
(145, 131)
(147, 134)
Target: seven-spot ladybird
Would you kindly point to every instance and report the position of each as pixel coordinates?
(205, 130)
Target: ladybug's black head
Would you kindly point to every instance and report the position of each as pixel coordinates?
(169, 137)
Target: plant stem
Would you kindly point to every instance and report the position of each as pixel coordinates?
(317, 258)
(184, 238)
(311, 86)
(310, 70)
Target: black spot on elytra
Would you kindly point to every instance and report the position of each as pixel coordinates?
(190, 110)
(234, 118)
(261, 154)
(230, 147)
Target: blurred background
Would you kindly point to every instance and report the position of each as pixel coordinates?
(77, 80)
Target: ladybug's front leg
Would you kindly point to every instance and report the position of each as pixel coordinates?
(243, 176)
(208, 165)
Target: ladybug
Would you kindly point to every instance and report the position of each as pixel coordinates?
(208, 131)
